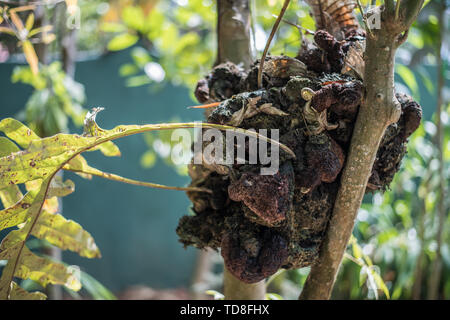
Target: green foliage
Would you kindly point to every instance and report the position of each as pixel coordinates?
(35, 214)
(122, 41)
(56, 99)
(273, 296)
(369, 273)
(409, 78)
(36, 166)
(400, 224)
(178, 38)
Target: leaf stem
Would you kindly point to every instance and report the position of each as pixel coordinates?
(272, 34)
(115, 177)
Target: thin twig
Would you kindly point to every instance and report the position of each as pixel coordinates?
(397, 9)
(402, 38)
(351, 258)
(272, 34)
(366, 23)
(114, 177)
(323, 21)
(295, 25)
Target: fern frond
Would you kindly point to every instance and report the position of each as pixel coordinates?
(35, 214)
(65, 234)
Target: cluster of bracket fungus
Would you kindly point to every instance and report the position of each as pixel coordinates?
(265, 222)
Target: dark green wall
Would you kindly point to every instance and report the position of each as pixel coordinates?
(134, 227)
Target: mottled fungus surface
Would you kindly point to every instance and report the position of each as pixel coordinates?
(265, 222)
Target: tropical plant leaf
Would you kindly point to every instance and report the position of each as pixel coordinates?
(273, 296)
(380, 283)
(409, 78)
(24, 264)
(30, 56)
(30, 22)
(357, 252)
(215, 294)
(95, 288)
(45, 271)
(17, 132)
(60, 188)
(122, 41)
(11, 194)
(19, 212)
(371, 283)
(16, 20)
(362, 275)
(18, 293)
(65, 234)
(109, 149)
(7, 31)
(39, 163)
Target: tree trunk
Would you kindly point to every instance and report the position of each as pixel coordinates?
(233, 35)
(202, 270)
(67, 42)
(234, 289)
(378, 110)
(40, 47)
(233, 32)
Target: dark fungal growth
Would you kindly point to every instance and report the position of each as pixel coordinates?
(265, 222)
(223, 82)
(253, 253)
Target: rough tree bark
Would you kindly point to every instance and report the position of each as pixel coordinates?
(233, 32)
(378, 110)
(235, 289)
(233, 44)
(201, 271)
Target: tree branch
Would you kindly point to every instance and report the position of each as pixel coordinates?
(234, 289)
(409, 10)
(269, 40)
(378, 110)
(233, 34)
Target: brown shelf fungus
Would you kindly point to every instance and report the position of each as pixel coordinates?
(265, 222)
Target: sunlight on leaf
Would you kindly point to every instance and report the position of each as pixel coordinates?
(31, 56)
(216, 295)
(122, 41)
(409, 78)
